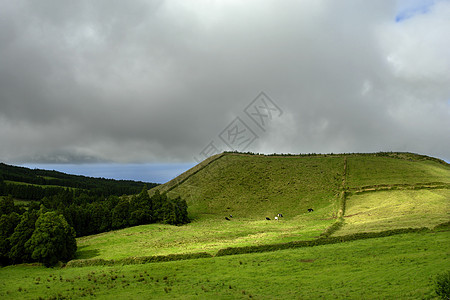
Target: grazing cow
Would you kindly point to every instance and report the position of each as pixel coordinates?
(280, 215)
(276, 218)
(267, 218)
(226, 218)
(310, 210)
(231, 216)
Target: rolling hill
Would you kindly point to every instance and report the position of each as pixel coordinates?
(378, 192)
(379, 229)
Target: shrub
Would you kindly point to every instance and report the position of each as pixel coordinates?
(442, 285)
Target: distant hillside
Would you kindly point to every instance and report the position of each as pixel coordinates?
(33, 184)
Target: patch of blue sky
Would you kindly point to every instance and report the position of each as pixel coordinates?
(410, 8)
(149, 172)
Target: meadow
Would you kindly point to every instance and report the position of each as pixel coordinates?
(381, 210)
(380, 193)
(207, 235)
(250, 188)
(368, 171)
(396, 267)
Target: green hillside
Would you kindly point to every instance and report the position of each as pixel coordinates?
(353, 245)
(259, 186)
(404, 193)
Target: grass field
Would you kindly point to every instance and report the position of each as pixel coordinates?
(367, 171)
(38, 185)
(208, 235)
(260, 186)
(396, 267)
(382, 210)
(254, 187)
(250, 188)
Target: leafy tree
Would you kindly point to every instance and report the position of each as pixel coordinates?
(7, 225)
(6, 205)
(175, 211)
(23, 232)
(141, 208)
(53, 239)
(121, 214)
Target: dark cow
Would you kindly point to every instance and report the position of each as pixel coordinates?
(226, 218)
(267, 218)
(310, 210)
(231, 216)
(280, 215)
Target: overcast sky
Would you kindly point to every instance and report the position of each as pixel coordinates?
(175, 81)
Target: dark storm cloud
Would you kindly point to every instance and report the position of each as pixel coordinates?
(143, 81)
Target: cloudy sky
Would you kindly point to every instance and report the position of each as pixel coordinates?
(130, 82)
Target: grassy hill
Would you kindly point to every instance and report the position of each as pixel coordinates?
(408, 191)
(359, 192)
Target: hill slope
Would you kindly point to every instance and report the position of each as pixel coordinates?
(371, 192)
(256, 185)
(259, 186)
(407, 191)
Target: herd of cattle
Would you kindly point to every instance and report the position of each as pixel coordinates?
(267, 218)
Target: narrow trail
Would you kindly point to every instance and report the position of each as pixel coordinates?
(343, 194)
(341, 210)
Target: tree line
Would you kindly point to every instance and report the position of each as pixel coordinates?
(46, 179)
(45, 230)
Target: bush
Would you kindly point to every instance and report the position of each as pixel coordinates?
(443, 285)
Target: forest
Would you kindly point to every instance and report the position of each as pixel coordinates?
(44, 228)
(41, 183)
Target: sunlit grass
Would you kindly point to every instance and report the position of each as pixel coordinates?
(368, 170)
(396, 267)
(206, 235)
(382, 210)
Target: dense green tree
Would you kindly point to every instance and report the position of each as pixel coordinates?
(121, 214)
(6, 205)
(141, 208)
(7, 225)
(22, 233)
(99, 218)
(175, 211)
(53, 239)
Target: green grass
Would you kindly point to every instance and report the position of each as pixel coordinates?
(260, 186)
(371, 170)
(208, 235)
(396, 267)
(252, 188)
(382, 210)
(38, 185)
